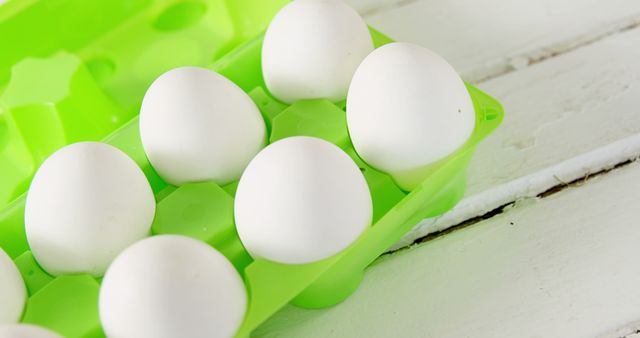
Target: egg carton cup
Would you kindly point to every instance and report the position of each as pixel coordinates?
(89, 84)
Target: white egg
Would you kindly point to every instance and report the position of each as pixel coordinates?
(26, 331)
(87, 202)
(196, 125)
(13, 293)
(300, 200)
(406, 109)
(171, 286)
(312, 48)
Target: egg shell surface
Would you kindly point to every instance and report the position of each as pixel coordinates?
(406, 109)
(196, 125)
(312, 48)
(13, 293)
(87, 202)
(301, 200)
(26, 331)
(171, 286)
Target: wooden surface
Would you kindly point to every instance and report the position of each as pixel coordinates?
(562, 266)
(567, 117)
(485, 38)
(568, 75)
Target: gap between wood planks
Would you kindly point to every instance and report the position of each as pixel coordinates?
(503, 208)
(526, 60)
(628, 331)
(463, 217)
(635, 334)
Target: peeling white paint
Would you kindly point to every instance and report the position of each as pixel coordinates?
(569, 116)
(528, 186)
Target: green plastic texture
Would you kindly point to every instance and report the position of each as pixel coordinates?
(84, 79)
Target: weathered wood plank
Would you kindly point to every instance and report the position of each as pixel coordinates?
(485, 38)
(566, 118)
(562, 266)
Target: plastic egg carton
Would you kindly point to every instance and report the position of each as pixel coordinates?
(77, 70)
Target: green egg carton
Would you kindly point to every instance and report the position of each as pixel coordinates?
(76, 70)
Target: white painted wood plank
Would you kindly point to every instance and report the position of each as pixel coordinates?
(489, 37)
(564, 266)
(559, 113)
(566, 117)
(561, 108)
